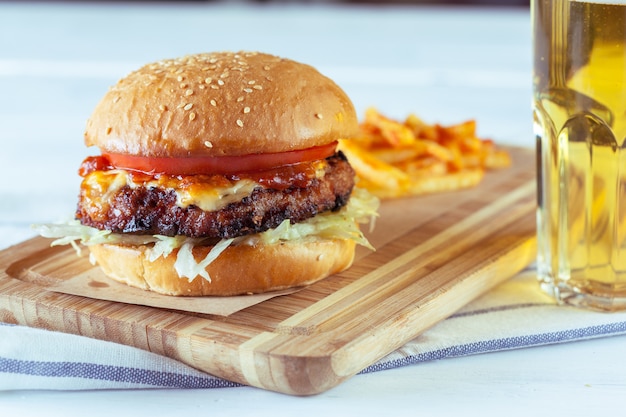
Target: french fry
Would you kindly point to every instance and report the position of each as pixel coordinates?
(395, 159)
(372, 170)
(395, 134)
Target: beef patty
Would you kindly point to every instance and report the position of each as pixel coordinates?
(153, 210)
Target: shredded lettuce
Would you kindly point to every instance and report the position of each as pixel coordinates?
(361, 208)
(343, 224)
(72, 232)
(166, 245)
(186, 265)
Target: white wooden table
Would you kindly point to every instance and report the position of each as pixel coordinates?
(445, 64)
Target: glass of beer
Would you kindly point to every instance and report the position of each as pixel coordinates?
(579, 114)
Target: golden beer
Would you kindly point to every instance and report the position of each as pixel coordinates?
(579, 115)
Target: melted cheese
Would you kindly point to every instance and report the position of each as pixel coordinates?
(215, 198)
(99, 187)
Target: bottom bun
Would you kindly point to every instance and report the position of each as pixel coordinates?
(239, 269)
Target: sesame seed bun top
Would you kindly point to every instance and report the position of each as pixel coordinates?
(219, 104)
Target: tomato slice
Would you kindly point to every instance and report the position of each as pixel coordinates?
(209, 165)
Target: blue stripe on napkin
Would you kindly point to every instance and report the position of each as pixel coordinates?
(494, 345)
(110, 373)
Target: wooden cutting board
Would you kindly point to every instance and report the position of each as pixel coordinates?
(434, 255)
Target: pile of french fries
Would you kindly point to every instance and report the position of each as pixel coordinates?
(397, 159)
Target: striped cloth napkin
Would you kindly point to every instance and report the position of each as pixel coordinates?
(516, 314)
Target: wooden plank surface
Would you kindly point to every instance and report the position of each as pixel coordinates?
(434, 255)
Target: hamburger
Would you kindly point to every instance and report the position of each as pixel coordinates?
(218, 174)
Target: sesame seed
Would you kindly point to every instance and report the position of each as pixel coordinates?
(189, 92)
(246, 109)
(213, 86)
(188, 106)
(220, 82)
(180, 78)
(183, 85)
(239, 99)
(247, 90)
(162, 107)
(208, 80)
(319, 116)
(116, 99)
(239, 123)
(225, 75)
(208, 144)
(258, 87)
(213, 103)
(192, 116)
(251, 82)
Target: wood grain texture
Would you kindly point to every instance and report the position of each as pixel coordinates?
(434, 255)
